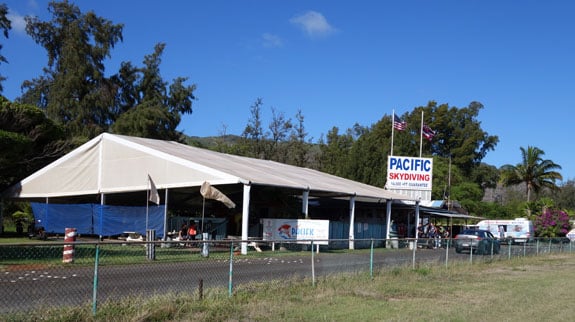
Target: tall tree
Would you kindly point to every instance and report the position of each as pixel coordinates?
(73, 89)
(253, 135)
(335, 152)
(368, 155)
(565, 197)
(279, 127)
(533, 171)
(28, 141)
(298, 144)
(485, 175)
(146, 106)
(5, 26)
(458, 133)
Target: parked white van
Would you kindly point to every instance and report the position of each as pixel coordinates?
(518, 230)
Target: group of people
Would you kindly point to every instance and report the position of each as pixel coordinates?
(436, 232)
(188, 232)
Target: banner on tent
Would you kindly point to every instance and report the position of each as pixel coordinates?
(302, 230)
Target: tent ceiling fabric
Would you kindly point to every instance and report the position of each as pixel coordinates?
(114, 163)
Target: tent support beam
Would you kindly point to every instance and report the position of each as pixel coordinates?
(416, 220)
(388, 217)
(351, 221)
(305, 204)
(166, 215)
(102, 203)
(245, 218)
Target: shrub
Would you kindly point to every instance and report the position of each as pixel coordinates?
(552, 223)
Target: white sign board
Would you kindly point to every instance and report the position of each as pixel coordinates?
(303, 230)
(571, 235)
(409, 173)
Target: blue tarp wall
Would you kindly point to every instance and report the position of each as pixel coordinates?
(340, 230)
(98, 219)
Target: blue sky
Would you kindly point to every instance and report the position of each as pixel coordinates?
(346, 62)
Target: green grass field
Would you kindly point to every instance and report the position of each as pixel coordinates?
(523, 289)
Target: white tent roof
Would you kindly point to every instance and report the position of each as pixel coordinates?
(114, 163)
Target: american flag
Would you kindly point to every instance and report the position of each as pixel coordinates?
(398, 124)
(428, 133)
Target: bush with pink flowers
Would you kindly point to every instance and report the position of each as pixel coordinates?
(552, 223)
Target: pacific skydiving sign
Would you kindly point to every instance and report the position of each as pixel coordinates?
(409, 173)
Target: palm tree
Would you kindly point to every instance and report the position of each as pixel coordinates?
(535, 172)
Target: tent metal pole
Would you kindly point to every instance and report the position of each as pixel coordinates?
(203, 211)
(351, 222)
(166, 214)
(305, 203)
(245, 218)
(416, 220)
(388, 218)
(46, 216)
(102, 203)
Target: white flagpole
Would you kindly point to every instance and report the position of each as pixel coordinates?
(392, 127)
(421, 134)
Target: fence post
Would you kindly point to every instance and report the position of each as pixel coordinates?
(201, 288)
(312, 266)
(413, 255)
(70, 237)
(230, 279)
(446, 252)
(95, 287)
(371, 260)
(205, 246)
(150, 246)
(524, 248)
(491, 250)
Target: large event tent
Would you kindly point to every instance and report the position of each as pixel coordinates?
(111, 164)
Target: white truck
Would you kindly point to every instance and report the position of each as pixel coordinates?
(518, 230)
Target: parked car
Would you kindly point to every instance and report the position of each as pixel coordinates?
(479, 241)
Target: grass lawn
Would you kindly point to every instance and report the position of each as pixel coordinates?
(523, 289)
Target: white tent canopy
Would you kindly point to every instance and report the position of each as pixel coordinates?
(111, 164)
(115, 163)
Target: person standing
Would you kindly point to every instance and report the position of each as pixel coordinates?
(192, 230)
(183, 233)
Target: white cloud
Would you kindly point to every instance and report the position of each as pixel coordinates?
(313, 23)
(271, 40)
(17, 22)
(32, 4)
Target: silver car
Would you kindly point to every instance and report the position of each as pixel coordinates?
(477, 240)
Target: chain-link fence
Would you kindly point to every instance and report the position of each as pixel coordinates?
(34, 276)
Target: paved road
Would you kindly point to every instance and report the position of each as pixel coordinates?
(24, 288)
